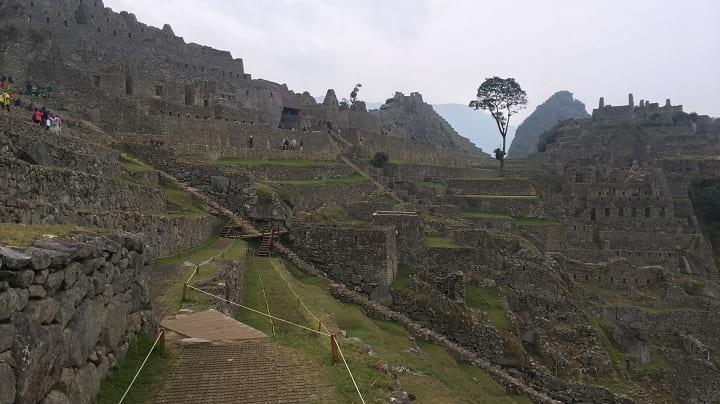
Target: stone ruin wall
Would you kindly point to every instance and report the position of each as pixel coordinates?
(410, 234)
(68, 312)
(365, 257)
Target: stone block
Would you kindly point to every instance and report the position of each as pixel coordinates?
(382, 295)
(41, 276)
(115, 325)
(13, 260)
(71, 275)
(18, 279)
(7, 384)
(84, 330)
(7, 336)
(36, 291)
(43, 311)
(53, 281)
(56, 397)
(40, 352)
(8, 303)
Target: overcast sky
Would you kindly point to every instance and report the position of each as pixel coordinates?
(444, 49)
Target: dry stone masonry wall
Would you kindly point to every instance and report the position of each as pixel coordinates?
(68, 311)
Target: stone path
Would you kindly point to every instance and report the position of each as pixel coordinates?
(252, 371)
(211, 325)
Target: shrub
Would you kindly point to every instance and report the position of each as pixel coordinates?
(379, 159)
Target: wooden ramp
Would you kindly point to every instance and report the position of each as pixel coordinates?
(212, 326)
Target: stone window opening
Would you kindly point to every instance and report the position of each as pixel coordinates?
(624, 280)
(206, 103)
(574, 277)
(96, 81)
(65, 23)
(648, 212)
(647, 281)
(607, 212)
(99, 29)
(612, 279)
(129, 35)
(593, 215)
(114, 32)
(662, 212)
(29, 18)
(621, 211)
(587, 277)
(47, 19)
(634, 212)
(32, 4)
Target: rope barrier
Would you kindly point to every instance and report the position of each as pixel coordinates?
(209, 260)
(141, 367)
(323, 325)
(257, 311)
(262, 286)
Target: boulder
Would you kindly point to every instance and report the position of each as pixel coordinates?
(18, 279)
(38, 154)
(13, 260)
(56, 397)
(36, 291)
(115, 325)
(382, 295)
(219, 183)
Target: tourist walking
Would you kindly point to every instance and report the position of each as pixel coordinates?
(5, 100)
(302, 145)
(293, 145)
(37, 116)
(250, 141)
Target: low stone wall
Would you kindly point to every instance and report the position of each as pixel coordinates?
(68, 311)
(309, 197)
(23, 184)
(269, 173)
(525, 207)
(363, 256)
(421, 172)
(490, 186)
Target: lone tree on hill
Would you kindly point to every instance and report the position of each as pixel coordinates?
(503, 98)
(354, 93)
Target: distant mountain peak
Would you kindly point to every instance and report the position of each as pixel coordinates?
(560, 106)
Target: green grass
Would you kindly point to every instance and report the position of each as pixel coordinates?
(433, 185)
(133, 165)
(182, 203)
(620, 383)
(275, 163)
(491, 301)
(500, 196)
(402, 280)
(523, 221)
(441, 379)
(354, 179)
(22, 235)
(440, 242)
(147, 385)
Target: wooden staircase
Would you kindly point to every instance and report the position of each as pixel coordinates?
(266, 244)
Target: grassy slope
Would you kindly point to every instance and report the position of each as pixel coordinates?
(436, 376)
(528, 221)
(354, 179)
(274, 163)
(440, 242)
(22, 235)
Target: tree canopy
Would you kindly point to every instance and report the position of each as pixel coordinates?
(503, 98)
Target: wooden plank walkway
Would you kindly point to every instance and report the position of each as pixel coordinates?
(211, 325)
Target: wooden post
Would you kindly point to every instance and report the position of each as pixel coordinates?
(197, 269)
(319, 325)
(184, 292)
(162, 340)
(333, 348)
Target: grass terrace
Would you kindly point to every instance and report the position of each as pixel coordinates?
(435, 378)
(440, 242)
(274, 163)
(527, 221)
(23, 235)
(182, 203)
(354, 179)
(402, 280)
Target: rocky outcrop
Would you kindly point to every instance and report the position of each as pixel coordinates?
(559, 107)
(68, 310)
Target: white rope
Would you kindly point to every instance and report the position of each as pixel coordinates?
(348, 369)
(209, 260)
(323, 325)
(262, 286)
(141, 367)
(258, 312)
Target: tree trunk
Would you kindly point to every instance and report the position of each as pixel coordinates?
(502, 160)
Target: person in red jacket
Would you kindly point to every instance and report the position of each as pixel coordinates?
(37, 116)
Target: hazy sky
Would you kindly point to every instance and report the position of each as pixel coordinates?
(444, 49)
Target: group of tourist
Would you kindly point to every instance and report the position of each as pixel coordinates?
(48, 120)
(286, 144)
